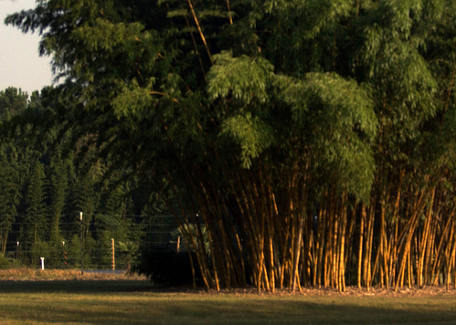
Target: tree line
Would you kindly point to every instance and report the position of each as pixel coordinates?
(306, 143)
(59, 204)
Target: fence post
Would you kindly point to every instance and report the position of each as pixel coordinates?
(113, 255)
(81, 252)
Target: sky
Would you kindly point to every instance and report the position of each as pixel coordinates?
(20, 63)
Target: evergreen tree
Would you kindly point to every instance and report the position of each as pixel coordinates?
(57, 195)
(35, 226)
(9, 200)
(12, 101)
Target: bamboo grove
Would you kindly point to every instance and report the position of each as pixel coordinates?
(310, 142)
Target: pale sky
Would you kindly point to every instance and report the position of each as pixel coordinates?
(20, 64)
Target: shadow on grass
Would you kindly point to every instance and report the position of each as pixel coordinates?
(75, 286)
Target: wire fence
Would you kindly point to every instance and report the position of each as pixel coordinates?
(89, 248)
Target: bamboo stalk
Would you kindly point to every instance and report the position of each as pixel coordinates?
(228, 7)
(437, 261)
(321, 246)
(200, 31)
(369, 249)
(297, 255)
(342, 248)
(361, 241)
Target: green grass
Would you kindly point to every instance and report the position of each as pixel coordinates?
(135, 302)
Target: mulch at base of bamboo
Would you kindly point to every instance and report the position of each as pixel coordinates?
(350, 291)
(409, 292)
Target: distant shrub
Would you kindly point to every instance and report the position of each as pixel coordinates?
(4, 262)
(40, 249)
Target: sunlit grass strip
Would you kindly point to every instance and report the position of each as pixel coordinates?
(30, 274)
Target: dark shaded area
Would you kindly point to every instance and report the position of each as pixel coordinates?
(168, 268)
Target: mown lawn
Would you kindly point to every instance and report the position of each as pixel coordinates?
(135, 302)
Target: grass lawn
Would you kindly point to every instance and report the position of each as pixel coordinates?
(135, 302)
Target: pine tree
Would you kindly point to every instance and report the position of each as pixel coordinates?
(35, 226)
(9, 200)
(57, 195)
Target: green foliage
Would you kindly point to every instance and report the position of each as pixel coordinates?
(12, 102)
(35, 218)
(338, 117)
(10, 193)
(40, 249)
(4, 262)
(46, 183)
(57, 193)
(102, 250)
(77, 254)
(252, 134)
(244, 79)
(303, 97)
